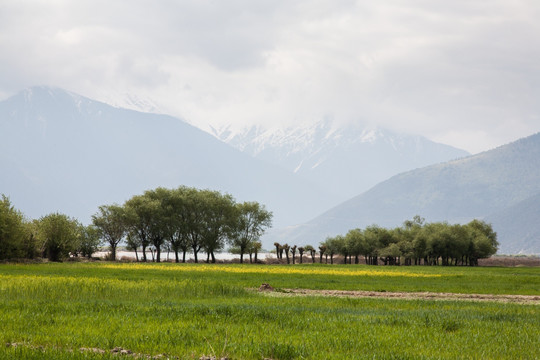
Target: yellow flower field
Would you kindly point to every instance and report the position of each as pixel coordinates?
(266, 269)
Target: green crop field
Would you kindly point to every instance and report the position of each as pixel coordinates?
(185, 311)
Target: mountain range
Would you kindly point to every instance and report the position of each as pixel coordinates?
(501, 186)
(63, 152)
(345, 159)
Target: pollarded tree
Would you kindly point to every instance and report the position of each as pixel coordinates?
(252, 219)
(293, 253)
(59, 235)
(111, 223)
(286, 249)
(277, 245)
(323, 251)
(301, 250)
(311, 251)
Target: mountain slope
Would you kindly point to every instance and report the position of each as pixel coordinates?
(63, 152)
(457, 191)
(519, 227)
(347, 159)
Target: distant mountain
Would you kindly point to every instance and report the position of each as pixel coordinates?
(347, 160)
(519, 226)
(500, 185)
(64, 152)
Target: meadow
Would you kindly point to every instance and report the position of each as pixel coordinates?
(185, 311)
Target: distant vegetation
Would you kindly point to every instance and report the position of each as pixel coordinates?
(181, 220)
(188, 220)
(414, 243)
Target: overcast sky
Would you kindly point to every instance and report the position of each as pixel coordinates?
(466, 73)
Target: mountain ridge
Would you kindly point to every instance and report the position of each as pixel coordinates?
(59, 146)
(348, 159)
(457, 191)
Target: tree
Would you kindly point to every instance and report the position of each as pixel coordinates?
(277, 245)
(286, 248)
(111, 221)
(90, 240)
(138, 219)
(293, 253)
(251, 222)
(177, 211)
(323, 251)
(301, 250)
(12, 230)
(157, 229)
(60, 236)
(355, 243)
(218, 221)
(484, 243)
(311, 251)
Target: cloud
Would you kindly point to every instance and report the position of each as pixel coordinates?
(463, 72)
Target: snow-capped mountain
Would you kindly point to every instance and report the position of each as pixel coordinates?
(60, 151)
(346, 160)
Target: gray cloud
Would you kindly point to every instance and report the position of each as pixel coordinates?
(466, 73)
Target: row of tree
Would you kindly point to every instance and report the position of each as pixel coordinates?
(416, 242)
(55, 236)
(182, 220)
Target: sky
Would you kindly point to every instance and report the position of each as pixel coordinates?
(464, 73)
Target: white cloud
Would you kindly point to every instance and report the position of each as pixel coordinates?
(467, 73)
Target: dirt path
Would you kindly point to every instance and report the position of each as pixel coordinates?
(518, 299)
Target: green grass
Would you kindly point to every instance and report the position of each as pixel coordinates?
(55, 309)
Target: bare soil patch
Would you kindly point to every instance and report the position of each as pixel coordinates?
(518, 299)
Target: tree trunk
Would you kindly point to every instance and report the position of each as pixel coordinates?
(213, 257)
(113, 253)
(184, 256)
(144, 253)
(176, 259)
(136, 255)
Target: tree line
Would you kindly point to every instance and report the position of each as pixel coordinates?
(416, 242)
(181, 220)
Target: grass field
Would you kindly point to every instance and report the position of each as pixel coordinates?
(189, 310)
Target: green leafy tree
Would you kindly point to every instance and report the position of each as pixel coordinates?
(111, 222)
(90, 240)
(355, 243)
(251, 222)
(60, 236)
(219, 221)
(139, 214)
(11, 230)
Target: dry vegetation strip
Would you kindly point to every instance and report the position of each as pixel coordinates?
(517, 299)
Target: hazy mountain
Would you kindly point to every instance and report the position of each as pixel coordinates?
(345, 159)
(64, 152)
(497, 185)
(519, 226)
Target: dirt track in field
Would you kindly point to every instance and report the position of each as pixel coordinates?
(517, 299)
